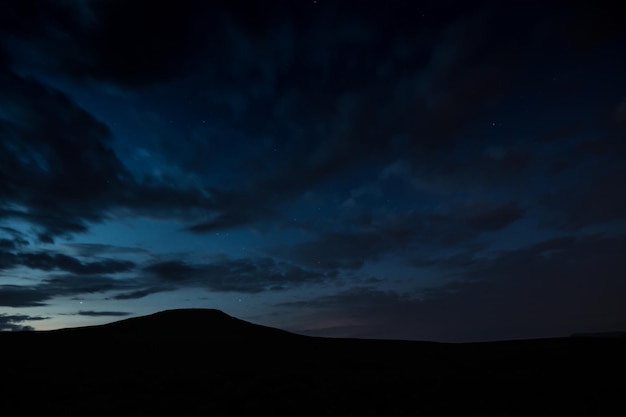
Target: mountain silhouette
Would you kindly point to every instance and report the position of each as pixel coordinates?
(179, 325)
(205, 362)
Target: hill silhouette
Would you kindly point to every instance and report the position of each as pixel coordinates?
(193, 324)
(205, 362)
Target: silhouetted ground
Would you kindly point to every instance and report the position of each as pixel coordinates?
(204, 362)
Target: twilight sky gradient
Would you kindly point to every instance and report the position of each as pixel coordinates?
(433, 170)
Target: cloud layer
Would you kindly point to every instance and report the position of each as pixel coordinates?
(273, 150)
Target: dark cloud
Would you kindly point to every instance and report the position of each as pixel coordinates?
(272, 73)
(494, 218)
(60, 285)
(12, 244)
(22, 296)
(58, 262)
(133, 295)
(54, 154)
(233, 209)
(401, 233)
(11, 239)
(462, 257)
(247, 275)
(619, 115)
(7, 244)
(496, 166)
(346, 124)
(172, 271)
(553, 288)
(107, 41)
(103, 313)
(69, 285)
(50, 261)
(136, 54)
(59, 172)
(7, 260)
(99, 249)
(306, 101)
(594, 25)
(595, 199)
(297, 87)
(337, 250)
(10, 231)
(11, 322)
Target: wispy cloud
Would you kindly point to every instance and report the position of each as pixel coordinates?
(92, 313)
(13, 322)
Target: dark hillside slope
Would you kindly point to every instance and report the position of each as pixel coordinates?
(180, 325)
(204, 362)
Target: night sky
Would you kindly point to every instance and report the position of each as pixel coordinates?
(425, 170)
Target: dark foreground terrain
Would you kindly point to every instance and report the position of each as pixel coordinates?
(204, 362)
